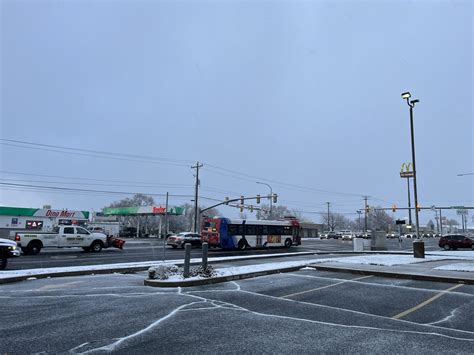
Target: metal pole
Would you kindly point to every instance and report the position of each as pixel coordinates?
(414, 171)
(437, 220)
(187, 259)
(166, 226)
(365, 215)
(440, 222)
(196, 193)
(138, 226)
(329, 227)
(205, 248)
(409, 203)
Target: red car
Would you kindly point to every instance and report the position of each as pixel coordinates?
(454, 241)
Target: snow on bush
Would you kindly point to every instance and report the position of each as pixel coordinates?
(164, 272)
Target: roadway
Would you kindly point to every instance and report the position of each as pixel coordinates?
(138, 250)
(308, 311)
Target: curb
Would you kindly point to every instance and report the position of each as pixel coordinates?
(412, 276)
(130, 269)
(214, 280)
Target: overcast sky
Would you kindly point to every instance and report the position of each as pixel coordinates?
(303, 95)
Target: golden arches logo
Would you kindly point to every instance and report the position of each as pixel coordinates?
(406, 168)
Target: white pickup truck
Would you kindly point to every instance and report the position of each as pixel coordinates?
(62, 237)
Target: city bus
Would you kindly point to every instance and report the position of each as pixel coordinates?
(242, 234)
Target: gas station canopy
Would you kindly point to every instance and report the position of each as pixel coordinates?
(142, 211)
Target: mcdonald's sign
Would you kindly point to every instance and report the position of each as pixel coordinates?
(407, 170)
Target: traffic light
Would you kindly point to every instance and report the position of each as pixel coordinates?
(275, 198)
(394, 208)
(241, 200)
(251, 209)
(418, 207)
(367, 209)
(227, 200)
(241, 208)
(258, 199)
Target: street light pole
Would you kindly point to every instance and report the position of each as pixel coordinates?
(271, 195)
(411, 104)
(409, 202)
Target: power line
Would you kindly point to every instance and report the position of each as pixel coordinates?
(98, 151)
(171, 186)
(103, 156)
(87, 179)
(237, 175)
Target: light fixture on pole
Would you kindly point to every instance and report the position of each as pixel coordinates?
(271, 194)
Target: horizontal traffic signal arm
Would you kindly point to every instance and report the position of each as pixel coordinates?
(226, 202)
(420, 208)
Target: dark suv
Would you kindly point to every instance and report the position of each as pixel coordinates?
(454, 241)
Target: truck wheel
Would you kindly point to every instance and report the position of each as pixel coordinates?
(288, 243)
(96, 247)
(34, 248)
(3, 262)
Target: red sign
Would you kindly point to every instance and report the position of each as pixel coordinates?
(62, 214)
(159, 209)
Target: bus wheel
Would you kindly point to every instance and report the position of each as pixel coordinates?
(242, 245)
(288, 243)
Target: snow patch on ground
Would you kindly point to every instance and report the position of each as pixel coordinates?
(457, 267)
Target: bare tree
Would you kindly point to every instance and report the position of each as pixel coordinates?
(335, 221)
(278, 212)
(379, 220)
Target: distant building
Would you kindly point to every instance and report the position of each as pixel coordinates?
(311, 230)
(40, 219)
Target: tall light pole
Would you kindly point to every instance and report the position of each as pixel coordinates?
(271, 195)
(411, 104)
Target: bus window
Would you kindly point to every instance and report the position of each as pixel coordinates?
(250, 230)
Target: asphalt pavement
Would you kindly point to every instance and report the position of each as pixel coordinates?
(307, 311)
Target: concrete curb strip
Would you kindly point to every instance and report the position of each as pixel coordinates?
(399, 275)
(127, 269)
(213, 280)
(132, 269)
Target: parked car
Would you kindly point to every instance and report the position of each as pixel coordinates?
(455, 241)
(128, 232)
(180, 239)
(347, 235)
(324, 235)
(333, 235)
(392, 235)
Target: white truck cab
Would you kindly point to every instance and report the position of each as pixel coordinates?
(62, 237)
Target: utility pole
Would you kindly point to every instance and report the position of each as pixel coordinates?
(365, 214)
(329, 226)
(196, 194)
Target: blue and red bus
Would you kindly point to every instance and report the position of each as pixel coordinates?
(241, 234)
